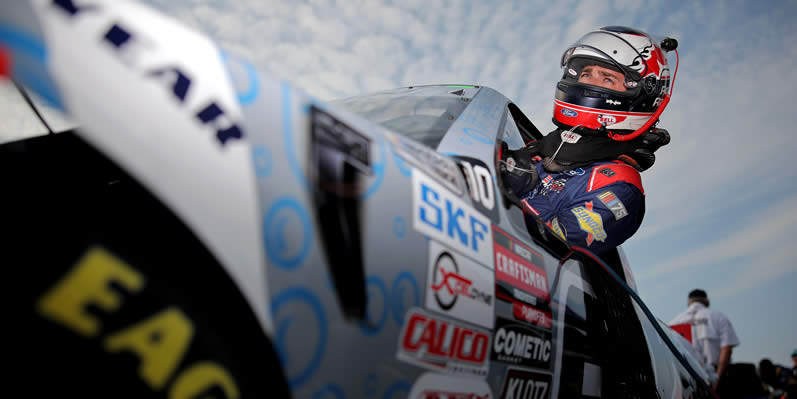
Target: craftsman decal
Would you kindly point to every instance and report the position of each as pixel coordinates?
(518, 266)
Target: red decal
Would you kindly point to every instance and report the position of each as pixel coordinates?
(684, 329)
(527, 313)
(520, 273)
(454, 283)
(5, 62)
(613, 173)
(444, 344)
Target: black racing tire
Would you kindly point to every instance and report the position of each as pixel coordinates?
(69, 209)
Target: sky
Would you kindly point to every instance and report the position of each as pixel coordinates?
(721, 198)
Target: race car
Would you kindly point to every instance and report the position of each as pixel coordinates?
(209, 230)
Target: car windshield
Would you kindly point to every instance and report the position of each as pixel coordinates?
(422, 113)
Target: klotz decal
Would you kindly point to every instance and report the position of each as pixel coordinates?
(526, 384)
(591, 222)
(518, 266)
(441, 386)
(459, 286)
(441, 167)
(607, 119)
(569, 113)
(570, 137)
(442, 216)
(442, 344)
(522, 345)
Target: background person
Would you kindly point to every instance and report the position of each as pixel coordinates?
(712, 335)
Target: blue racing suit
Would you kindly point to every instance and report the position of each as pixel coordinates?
(596, 207)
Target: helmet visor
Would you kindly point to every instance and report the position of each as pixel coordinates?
(612, 49)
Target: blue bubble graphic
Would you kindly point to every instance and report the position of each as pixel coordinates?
(299, 295)
(329, 391)
(399, 227)
(262, 159)
(397, 387)
(370, 326)
(397, 295)
(286, 212)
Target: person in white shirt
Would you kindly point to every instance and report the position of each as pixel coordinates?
(709, 331)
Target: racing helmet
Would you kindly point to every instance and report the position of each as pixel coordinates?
(626, 114)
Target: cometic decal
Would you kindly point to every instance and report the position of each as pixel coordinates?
(446, 218)
(523, 384)
(522, 345)
(459, 286)
(442, 344)
(519, 268)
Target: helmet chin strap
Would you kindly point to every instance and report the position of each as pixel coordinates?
(655, 117)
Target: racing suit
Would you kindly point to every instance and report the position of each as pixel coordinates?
(597, 207)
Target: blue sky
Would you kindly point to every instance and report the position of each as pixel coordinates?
(722, 197)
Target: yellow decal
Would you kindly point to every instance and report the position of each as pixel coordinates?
(591, 222)
(89, 283)
(554, 225)
(160, 342)
(199, 378)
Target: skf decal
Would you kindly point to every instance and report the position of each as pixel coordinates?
(523, 312)
(459, 286)
(441, 386)
(97, 281)
(440, 166)
(521, 345)
(522, 384)
(442, 344)
(518, 266)
(591, 222)
(446, 218)
(614, 204)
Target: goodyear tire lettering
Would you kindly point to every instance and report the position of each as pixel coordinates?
(89, 283)
(159, 342)
(201, 377)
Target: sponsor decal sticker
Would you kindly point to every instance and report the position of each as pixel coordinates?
(570, 137)
(607, 119)
(441, 386)
(614, 204)
(613, 102)
(569, 113)
(522, 345)
(459, 286)
(442, 216)
(442, 344)
(575, 172)
(518, 266)
(523, 312)
(522, 384)
(591, 222)
(441, 167)
(557, 228)
(572, 71)
(608, 172)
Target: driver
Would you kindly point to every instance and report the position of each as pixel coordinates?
(583, 178)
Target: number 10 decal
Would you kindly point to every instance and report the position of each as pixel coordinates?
(480, 185)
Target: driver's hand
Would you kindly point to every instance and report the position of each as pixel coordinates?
(517, 172)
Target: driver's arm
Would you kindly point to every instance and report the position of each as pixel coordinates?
(602, 219)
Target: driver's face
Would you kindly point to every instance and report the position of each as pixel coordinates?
(603, 77)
